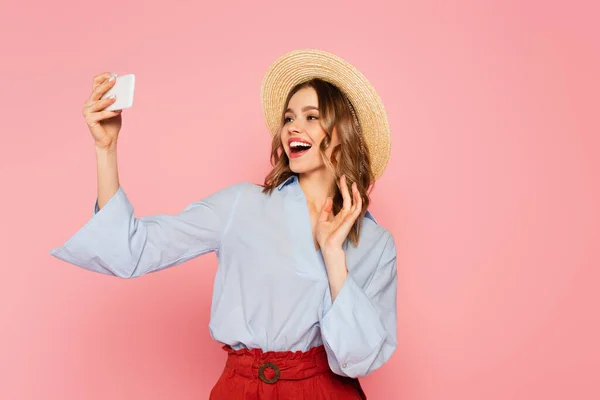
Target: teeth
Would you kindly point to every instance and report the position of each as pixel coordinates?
(299, 144)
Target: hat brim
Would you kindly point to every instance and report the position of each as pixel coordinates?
(303, 65)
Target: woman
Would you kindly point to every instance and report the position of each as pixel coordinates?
(304, 297)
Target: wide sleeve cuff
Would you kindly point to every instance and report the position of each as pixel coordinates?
(96, 246)
(351, 328)
(115, 242)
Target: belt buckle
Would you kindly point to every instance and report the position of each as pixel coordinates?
(261, 373)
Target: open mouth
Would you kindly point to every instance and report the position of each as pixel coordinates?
(299, 148)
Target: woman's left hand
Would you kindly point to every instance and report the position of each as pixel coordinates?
(331, 231)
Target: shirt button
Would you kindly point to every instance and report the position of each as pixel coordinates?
(344, 365)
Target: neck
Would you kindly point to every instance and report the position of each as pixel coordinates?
(317, 186)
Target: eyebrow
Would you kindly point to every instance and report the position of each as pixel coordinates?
(304, 109)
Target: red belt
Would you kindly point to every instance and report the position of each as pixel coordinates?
(251, 374)
(272, 366)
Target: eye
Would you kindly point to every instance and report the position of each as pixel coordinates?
(287, 119)
(312, 116)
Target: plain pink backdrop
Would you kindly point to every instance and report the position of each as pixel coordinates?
(491, 191)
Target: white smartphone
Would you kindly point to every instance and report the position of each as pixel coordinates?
(123, 89)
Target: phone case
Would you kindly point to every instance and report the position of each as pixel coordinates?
(123, 89)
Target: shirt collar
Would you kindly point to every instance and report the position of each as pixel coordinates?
(291, 179)
(294, 178)
(370, 216)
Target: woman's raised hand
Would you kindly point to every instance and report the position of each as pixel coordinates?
(331, 231)
(103, 125)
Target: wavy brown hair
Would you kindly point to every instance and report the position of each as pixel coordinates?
(350, 157)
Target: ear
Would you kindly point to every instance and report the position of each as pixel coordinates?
(335, 137)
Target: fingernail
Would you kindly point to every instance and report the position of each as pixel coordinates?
(112, 76)
(113, 96)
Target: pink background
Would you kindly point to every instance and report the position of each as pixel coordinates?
(491, 191)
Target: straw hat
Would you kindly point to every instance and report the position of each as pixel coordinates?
(303, 65)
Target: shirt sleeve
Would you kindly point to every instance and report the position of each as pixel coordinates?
(359, 328)
(115, 242)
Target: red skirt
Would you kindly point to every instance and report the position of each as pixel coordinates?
(257, 375)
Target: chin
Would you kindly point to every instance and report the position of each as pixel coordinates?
(296, 170)
(304, 164)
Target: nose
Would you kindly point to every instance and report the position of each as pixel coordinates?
(293, 126)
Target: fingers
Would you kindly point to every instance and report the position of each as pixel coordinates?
(345, 194)
(98, 79)
(101, 87)
(93, 118)
(93, 108)
(357, 206)
(97, 105)
(326, 213)
(350, 204)
(351, 207)
(350, 217)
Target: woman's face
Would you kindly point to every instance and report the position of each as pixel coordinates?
(302, 133)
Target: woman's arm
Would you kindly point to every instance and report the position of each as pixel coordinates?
(107, 172)
(358, 324)
(337, 271)
(115, 242)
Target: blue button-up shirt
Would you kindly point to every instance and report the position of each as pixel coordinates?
(271, 289)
